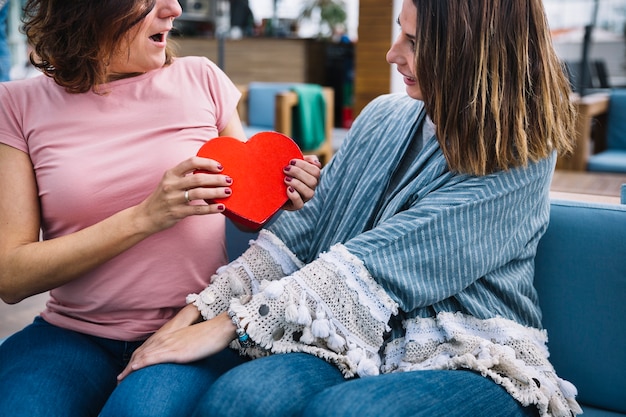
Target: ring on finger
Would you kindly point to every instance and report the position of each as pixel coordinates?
(187, 196)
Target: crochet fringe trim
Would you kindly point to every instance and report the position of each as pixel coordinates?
(512, 355)
(323, 334)
(287, 260)
(358, 278)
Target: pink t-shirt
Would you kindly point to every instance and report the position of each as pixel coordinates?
(95, 155)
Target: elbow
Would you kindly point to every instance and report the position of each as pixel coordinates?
(10, 297)
(10, 294)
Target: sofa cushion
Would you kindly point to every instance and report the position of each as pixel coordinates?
(580, 276)
(237, 241)
(612, 160)
(597, 412)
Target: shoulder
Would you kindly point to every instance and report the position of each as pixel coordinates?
(389, 109)
(395, 99)
(20, 94)
(198, 67)
(26, 86)
(396, 104)
(194, 63)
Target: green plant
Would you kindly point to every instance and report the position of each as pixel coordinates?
(332, 14)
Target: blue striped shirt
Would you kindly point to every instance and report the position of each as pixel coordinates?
(439, 241)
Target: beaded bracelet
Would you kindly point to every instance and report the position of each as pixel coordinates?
(242, 336)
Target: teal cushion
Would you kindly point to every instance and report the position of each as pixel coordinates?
(612, 160)
(580, 276)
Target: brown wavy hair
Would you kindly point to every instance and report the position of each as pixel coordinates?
(73, 40)
(492, 83)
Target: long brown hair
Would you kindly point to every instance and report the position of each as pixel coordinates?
(492, 83)
(73, 40)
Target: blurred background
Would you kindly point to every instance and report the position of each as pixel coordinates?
(333, 42)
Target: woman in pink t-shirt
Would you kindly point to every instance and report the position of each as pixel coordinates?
(96, 155)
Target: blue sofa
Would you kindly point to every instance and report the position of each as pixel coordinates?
(580, 275)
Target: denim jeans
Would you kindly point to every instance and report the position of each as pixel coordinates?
(295, 384)
(49, 371)
(5, 53)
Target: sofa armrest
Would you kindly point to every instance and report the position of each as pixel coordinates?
(580, 277)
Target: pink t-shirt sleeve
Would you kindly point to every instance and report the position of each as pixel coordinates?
(10, 128)
(225, 93)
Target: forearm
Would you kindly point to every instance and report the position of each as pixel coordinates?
(267, 259)
(331, 308)
(36, 267)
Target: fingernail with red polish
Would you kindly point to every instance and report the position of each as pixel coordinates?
(291, 190)
(229, 180)
(288, 179)
(220, 207)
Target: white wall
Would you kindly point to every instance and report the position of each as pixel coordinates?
(397, 84)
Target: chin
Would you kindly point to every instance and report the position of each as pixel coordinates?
(416, 94)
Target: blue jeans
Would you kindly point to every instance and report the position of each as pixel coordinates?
(49, 371)
(5, 53)
(297, 384)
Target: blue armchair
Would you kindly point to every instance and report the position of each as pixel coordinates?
(304, 112)
(609, 145)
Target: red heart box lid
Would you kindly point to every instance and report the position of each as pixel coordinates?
(256, 167)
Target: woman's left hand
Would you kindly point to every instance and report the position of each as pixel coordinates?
(302, 177)
(184, 345)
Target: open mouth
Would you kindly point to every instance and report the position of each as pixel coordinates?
(158, 37)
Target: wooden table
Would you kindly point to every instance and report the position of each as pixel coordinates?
(588, 107)
(587, 186)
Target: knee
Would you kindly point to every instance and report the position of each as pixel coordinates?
(234, 391)
(352, 398)
(328, 403)
(278, 385)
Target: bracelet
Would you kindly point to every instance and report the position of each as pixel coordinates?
(242, 336)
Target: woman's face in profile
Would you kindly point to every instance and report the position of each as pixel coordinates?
(145, 49)
(402, 51)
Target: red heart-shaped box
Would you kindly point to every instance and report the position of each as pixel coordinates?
(256, 167)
